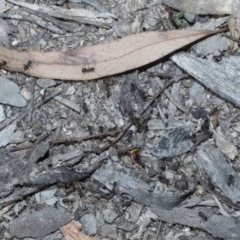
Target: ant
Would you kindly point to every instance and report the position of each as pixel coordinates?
(90, 130)
(85, 70)
(85, 109)
(230, 180)
(107, 89)
(3, 63)
(203, 216)
(28, 65)
(100, 129)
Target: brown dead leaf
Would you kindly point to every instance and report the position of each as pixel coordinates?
(71, 231)
(101, 60)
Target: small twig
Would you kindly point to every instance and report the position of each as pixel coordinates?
(225, 199)
(231, 37)
(93, 136)
(183, 76)
(163, 75)
(236, 114)
(31, 107)
(201, 137)
(69, 27)
(18, 148)
(39, 22)
(171, 98)
(221, 209)
(99, 150)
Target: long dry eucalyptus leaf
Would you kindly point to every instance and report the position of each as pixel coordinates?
(101, 60)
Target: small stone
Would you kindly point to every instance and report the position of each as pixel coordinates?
(26, 93)
(127, 226)
(181, 184)
(17, 137)
(190, 17)
(45, 83)
(134, 210)
(48, 128)
(159, 166)
(110, 215)
(9, 94)
(109, 230)
(89, 224)
(70, 91)
(2, 115)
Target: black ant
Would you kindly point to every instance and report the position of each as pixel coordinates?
(28, 65)
(85, 109)
(203, 216)
(3, 64)
(85, 70)
(230, 180)
(90, 130)
(100, 129)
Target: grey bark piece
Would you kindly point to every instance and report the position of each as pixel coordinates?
(9, 94)
(134, 210)
(174, 143)
(38, 152)
(22, 173)
(171, 107)
(217, 226)
(6, 134)
(45, 83)
(68, 103)
(109, 230)
(213, 162)
(222, 78)
(39, 223)
(201, 6)
(139, 190)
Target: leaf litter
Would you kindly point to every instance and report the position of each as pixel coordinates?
(103, 126)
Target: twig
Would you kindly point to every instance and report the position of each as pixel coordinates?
(171, 98)
(225, 199)
(162, 90)
(18, 148)
(231, 37)
(99, 150)
(69, 27)
(236, 114)
(78, 140)
(39, 22)
(221, 209)
(31, 107)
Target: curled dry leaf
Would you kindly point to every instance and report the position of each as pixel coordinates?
(101, 60)
(71, 231)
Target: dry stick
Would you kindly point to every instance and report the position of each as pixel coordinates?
(225, 199)
(177, 78)
(102, 9)
(61, 24)
(14, 149)
(78, 140)
(231, 38)
(172, 99)
(31, 107)
(39, 22)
